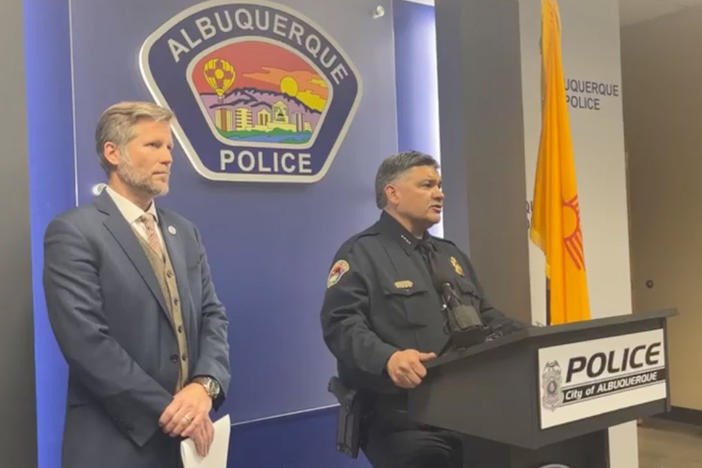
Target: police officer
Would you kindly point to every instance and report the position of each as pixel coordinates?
(382, 315)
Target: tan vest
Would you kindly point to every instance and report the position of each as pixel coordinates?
(167, 282)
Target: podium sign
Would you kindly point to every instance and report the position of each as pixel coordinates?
(587, 378)
(550, 393)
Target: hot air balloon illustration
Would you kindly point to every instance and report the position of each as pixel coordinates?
(219, 75)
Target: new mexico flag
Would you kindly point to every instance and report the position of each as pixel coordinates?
(555, 219)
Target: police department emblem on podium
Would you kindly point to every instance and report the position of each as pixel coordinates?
(551, 385)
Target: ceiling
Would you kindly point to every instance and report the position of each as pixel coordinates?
(635, 11)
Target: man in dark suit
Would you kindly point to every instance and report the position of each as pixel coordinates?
(382, 314)
(133, 308)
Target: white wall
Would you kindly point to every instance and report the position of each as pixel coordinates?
(662, 70)
(590, 41)
(490, 108)
(591, 52)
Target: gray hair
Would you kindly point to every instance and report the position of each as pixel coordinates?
(116, 124)
(394, 166)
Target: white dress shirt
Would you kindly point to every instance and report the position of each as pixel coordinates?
(132, 213)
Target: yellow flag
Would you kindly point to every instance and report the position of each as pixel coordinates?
(555, 219)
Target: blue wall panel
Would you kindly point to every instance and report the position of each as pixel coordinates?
(308, 440)
(416, 81)
(300, 441)
(416, 77)
(51, 191)
(270, 245)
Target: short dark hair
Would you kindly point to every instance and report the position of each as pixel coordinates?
(394, 166)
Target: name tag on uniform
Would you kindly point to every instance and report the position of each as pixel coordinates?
(404, 284)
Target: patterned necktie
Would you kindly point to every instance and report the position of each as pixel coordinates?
(151, 236)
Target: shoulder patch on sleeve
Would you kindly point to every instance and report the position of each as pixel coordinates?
(337, 271)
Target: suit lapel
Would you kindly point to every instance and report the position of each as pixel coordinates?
(125, 237)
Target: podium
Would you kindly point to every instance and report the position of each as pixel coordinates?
(546, 395)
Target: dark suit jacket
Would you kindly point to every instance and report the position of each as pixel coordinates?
(112, 325)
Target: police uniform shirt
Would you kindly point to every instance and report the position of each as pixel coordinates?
(380, 298)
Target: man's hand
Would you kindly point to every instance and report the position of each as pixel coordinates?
(405, 368)
(203, 437)
(188, 416)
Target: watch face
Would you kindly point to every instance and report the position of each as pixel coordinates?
(212, 387)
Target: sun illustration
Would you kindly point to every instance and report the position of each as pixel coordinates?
(288, 85)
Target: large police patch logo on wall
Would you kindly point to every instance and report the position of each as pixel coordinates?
(260, 92)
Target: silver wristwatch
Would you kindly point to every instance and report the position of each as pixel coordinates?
(210, 384)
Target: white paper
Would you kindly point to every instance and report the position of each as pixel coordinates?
(217, 456)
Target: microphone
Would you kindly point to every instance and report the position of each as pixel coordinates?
(463, 322)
